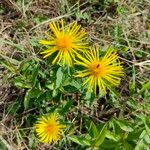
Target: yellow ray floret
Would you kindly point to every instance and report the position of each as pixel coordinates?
(64, 41)
(99, 71)
(49, 129)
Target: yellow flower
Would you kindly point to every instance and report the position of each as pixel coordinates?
(49, 129)
(65, 41)
(99, 71)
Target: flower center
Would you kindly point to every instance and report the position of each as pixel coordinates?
(50, 128)
(97, 69)
(64, 42)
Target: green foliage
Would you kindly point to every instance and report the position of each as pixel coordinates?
(116, 134)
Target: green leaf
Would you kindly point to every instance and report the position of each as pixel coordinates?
(99, 140)
(121, 10)
(109, 144)
(49, 85)
(112, 136)
(87, 95)
(21, 83)
(75, 84)
(13, 107)
(66, 107)
(54, 93)
(124, 126)
(27, 99)
(147, 125)
(3, 144)
(71, 85)
(9, 66)
(81, 140)
(59, 77)
(141, 145)
(146, 86)
(112, 89)
(135, 135)
(30, 94)
(38, 20)
(35, 74)
(143, 134)
(127, 146)
(147, 139)
(93, 131)
(132, 85)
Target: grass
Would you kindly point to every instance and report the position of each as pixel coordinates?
(30, 86)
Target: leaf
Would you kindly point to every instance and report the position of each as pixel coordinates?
(112, 89)
(20, 83)
(93, 131)
(127, 146)
(109, 144)
(59, 77)
(48, 95)
(49, 85)
(3, 144)
(13, 107)
(71, 85)
(132, 85)
(81, 140)
(87, 95)
(99, 140)
(66, 107)
(112, 136)
(141, 145)
(27, 99)
(39, 20)
(142, 134)
(134, 135)
(146, 86)
(124, 126)
(30, 94)
(9, 66)
(121, 10)
(147, 139)
(35, 74)
(75, 84)
(147, 125)
(54, 93)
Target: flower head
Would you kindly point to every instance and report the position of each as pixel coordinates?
(49, 129)
(99, 71)
(65, 41)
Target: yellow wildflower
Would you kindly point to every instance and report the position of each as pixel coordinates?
(64, 41)
(99, 71)
(49, 129)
